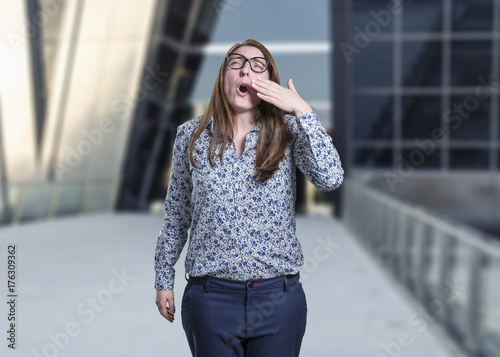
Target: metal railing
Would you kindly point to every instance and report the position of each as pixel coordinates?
(452, 269)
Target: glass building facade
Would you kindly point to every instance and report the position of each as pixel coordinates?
(90, 95)
(421, 98)
(421, 69)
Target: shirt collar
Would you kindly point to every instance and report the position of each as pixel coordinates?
(211, 126)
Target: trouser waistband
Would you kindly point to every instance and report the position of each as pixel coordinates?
(272, 283)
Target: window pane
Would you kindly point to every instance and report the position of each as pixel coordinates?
(498, 133)
(470, 15)
(373, 157)
(167, 58)
(470, 59)
(177, 19)
(425, 158)
(372, 117)
(373, 65)
(370, 15)
(423, 16)
(422, 63)
(204, 25)
(469, 159)
(420, 116)
(70, 198)
(470, 118)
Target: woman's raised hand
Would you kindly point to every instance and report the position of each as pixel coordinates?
(286, 99)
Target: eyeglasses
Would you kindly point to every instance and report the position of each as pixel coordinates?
(237, 61)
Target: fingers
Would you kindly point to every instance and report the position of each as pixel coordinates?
(271, 92)
(263, 84)
(171, 306)
(286, 99)
(291, 86)
(266, 87)
(165, 304)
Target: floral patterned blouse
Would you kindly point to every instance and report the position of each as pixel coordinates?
(240, 229)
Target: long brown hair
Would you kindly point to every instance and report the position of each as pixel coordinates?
(273, 136)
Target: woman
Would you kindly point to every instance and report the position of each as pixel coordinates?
(233, 185)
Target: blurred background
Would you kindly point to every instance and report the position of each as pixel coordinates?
(92, 91)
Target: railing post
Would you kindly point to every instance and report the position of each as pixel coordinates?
(402, 244)
(446, 260)
(419, 266)
(391, 237)
(424, 260)
(474, 291)
(380, 214)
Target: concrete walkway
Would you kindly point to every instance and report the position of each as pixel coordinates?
(84, 288)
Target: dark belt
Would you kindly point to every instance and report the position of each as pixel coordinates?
(270, 283)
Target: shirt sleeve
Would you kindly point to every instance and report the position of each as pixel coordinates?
(177, 219)
(314, 153)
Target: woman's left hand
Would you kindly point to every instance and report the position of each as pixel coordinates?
(286, 99)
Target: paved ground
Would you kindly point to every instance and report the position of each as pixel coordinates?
(84, 288)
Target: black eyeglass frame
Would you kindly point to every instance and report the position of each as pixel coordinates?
(249, 60)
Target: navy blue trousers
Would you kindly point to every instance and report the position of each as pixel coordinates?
(257, 318)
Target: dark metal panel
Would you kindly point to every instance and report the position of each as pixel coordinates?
(37, 70)
(180, 30)
(340, 13)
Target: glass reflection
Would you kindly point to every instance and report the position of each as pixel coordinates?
(373, 157)
(469, 159)
(469, 60)
(50, 37)
(422, 63)
(420, 159)
(98, 196)
(372, 117)
(35, 201)
(498, 130)
(70, 198)
(474, 15)
(423, 16)
(420, 116)
(366, 14)
(177, 19)
(471, 118)
(373, 65)
(5, 204)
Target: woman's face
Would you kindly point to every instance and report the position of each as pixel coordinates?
(238, 83)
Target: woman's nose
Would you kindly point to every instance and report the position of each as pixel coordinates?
(246, 68)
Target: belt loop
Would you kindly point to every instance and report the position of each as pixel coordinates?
(207, 285)
(285, 283)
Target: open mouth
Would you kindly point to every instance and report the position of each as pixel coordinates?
(243, 88)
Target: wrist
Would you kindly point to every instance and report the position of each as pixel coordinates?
(303, 109)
